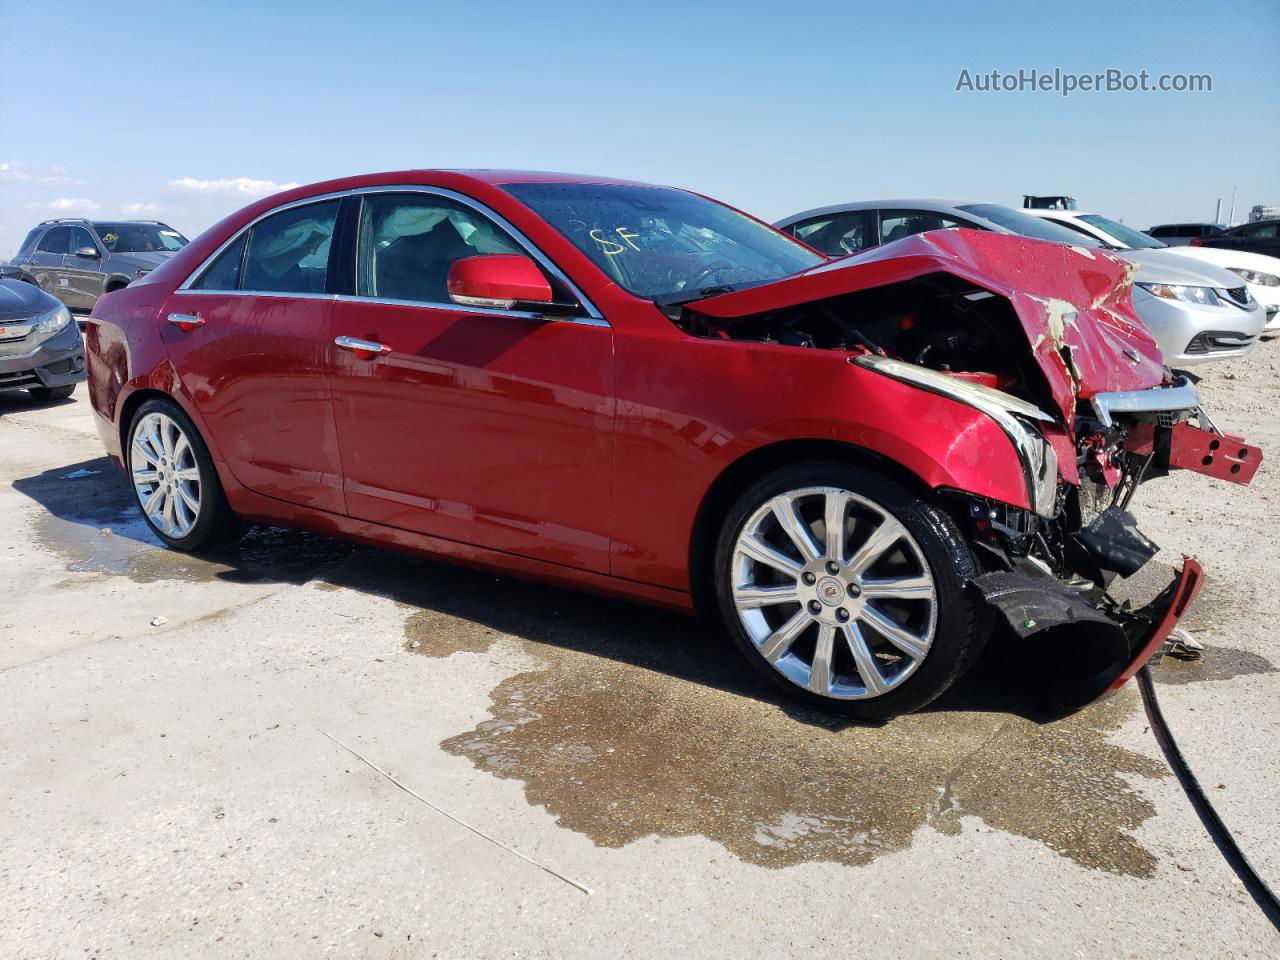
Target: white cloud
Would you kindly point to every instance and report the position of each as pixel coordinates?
(67, 205)
(133, 209)
(11, 172)
(237, 186)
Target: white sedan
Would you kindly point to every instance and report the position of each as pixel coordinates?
(1260, 272)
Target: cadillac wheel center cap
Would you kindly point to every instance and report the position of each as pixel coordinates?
(830, 591)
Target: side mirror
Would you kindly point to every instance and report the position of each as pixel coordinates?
(502, 281)
(90, 253)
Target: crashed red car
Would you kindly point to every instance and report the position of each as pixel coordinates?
(858, 465)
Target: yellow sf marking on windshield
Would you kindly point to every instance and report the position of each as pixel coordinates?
(612, 248)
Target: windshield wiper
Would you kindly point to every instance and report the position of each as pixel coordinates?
(682, 297)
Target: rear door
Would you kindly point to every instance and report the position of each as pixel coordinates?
(483, 426)
(247, 335)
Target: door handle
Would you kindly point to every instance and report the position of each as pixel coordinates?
(365, 349)
(186, 321)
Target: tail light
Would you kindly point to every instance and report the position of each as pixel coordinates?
(1196, 242)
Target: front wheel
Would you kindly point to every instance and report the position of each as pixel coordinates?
(847, 590)
(174, 479)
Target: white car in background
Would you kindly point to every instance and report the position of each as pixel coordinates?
(1259, 272)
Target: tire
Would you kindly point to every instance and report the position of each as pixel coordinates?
(891, 541)
(169, 464)
(51, 393)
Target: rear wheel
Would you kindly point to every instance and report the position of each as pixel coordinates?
(847, 590)
(174, 479)
(52, 393)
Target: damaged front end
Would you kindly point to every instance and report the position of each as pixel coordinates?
(1041, 338)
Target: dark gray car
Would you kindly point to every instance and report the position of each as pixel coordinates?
(40, 348)
(79, 260)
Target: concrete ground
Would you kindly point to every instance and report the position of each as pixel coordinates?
(301, 747)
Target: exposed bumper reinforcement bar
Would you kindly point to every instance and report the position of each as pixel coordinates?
(1181, 396)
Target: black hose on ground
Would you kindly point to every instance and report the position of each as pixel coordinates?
(1262, 894)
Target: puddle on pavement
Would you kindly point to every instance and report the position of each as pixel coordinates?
(1218, 663)
(635, 726)
(92, 521)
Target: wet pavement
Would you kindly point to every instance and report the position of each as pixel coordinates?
(572, 717)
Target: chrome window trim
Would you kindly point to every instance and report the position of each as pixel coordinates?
(593, 318)
(277, 294)
(485, 211)
(208, 261)
(459, 308)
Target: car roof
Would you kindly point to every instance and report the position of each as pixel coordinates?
(1050, 214)
(933, 205)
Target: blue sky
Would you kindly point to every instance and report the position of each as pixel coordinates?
(185, 112)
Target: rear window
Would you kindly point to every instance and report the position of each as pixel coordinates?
(30, 242)
(1028, 225)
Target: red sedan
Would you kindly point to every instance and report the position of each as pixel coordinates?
(638, 390)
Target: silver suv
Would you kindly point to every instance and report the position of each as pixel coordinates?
(79, 260)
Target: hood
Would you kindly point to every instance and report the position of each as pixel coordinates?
(147, 260)
(1163, 266)
(1074, 304)
(1225, 258)
(21, 301)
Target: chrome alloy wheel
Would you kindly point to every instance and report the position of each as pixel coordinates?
(166, 479)
(834, 592)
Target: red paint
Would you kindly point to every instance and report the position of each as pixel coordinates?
(1189, 582)
(1214, 455)
(571, 452)
(499, 276)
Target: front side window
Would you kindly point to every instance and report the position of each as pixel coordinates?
(127, 237)
(289, 252)
(896, 224)
(57, 240)
(408, 242)
(80, 238)
(664, 244)
(837, 236)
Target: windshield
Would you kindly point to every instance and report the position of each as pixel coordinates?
(139, 237)
(1125, 236)
(658, 243)
(1027, 225)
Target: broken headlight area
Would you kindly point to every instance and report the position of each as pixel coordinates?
(1053, 579)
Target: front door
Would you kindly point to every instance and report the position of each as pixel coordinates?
(487, 427)
(249, 335)
(83, 274)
